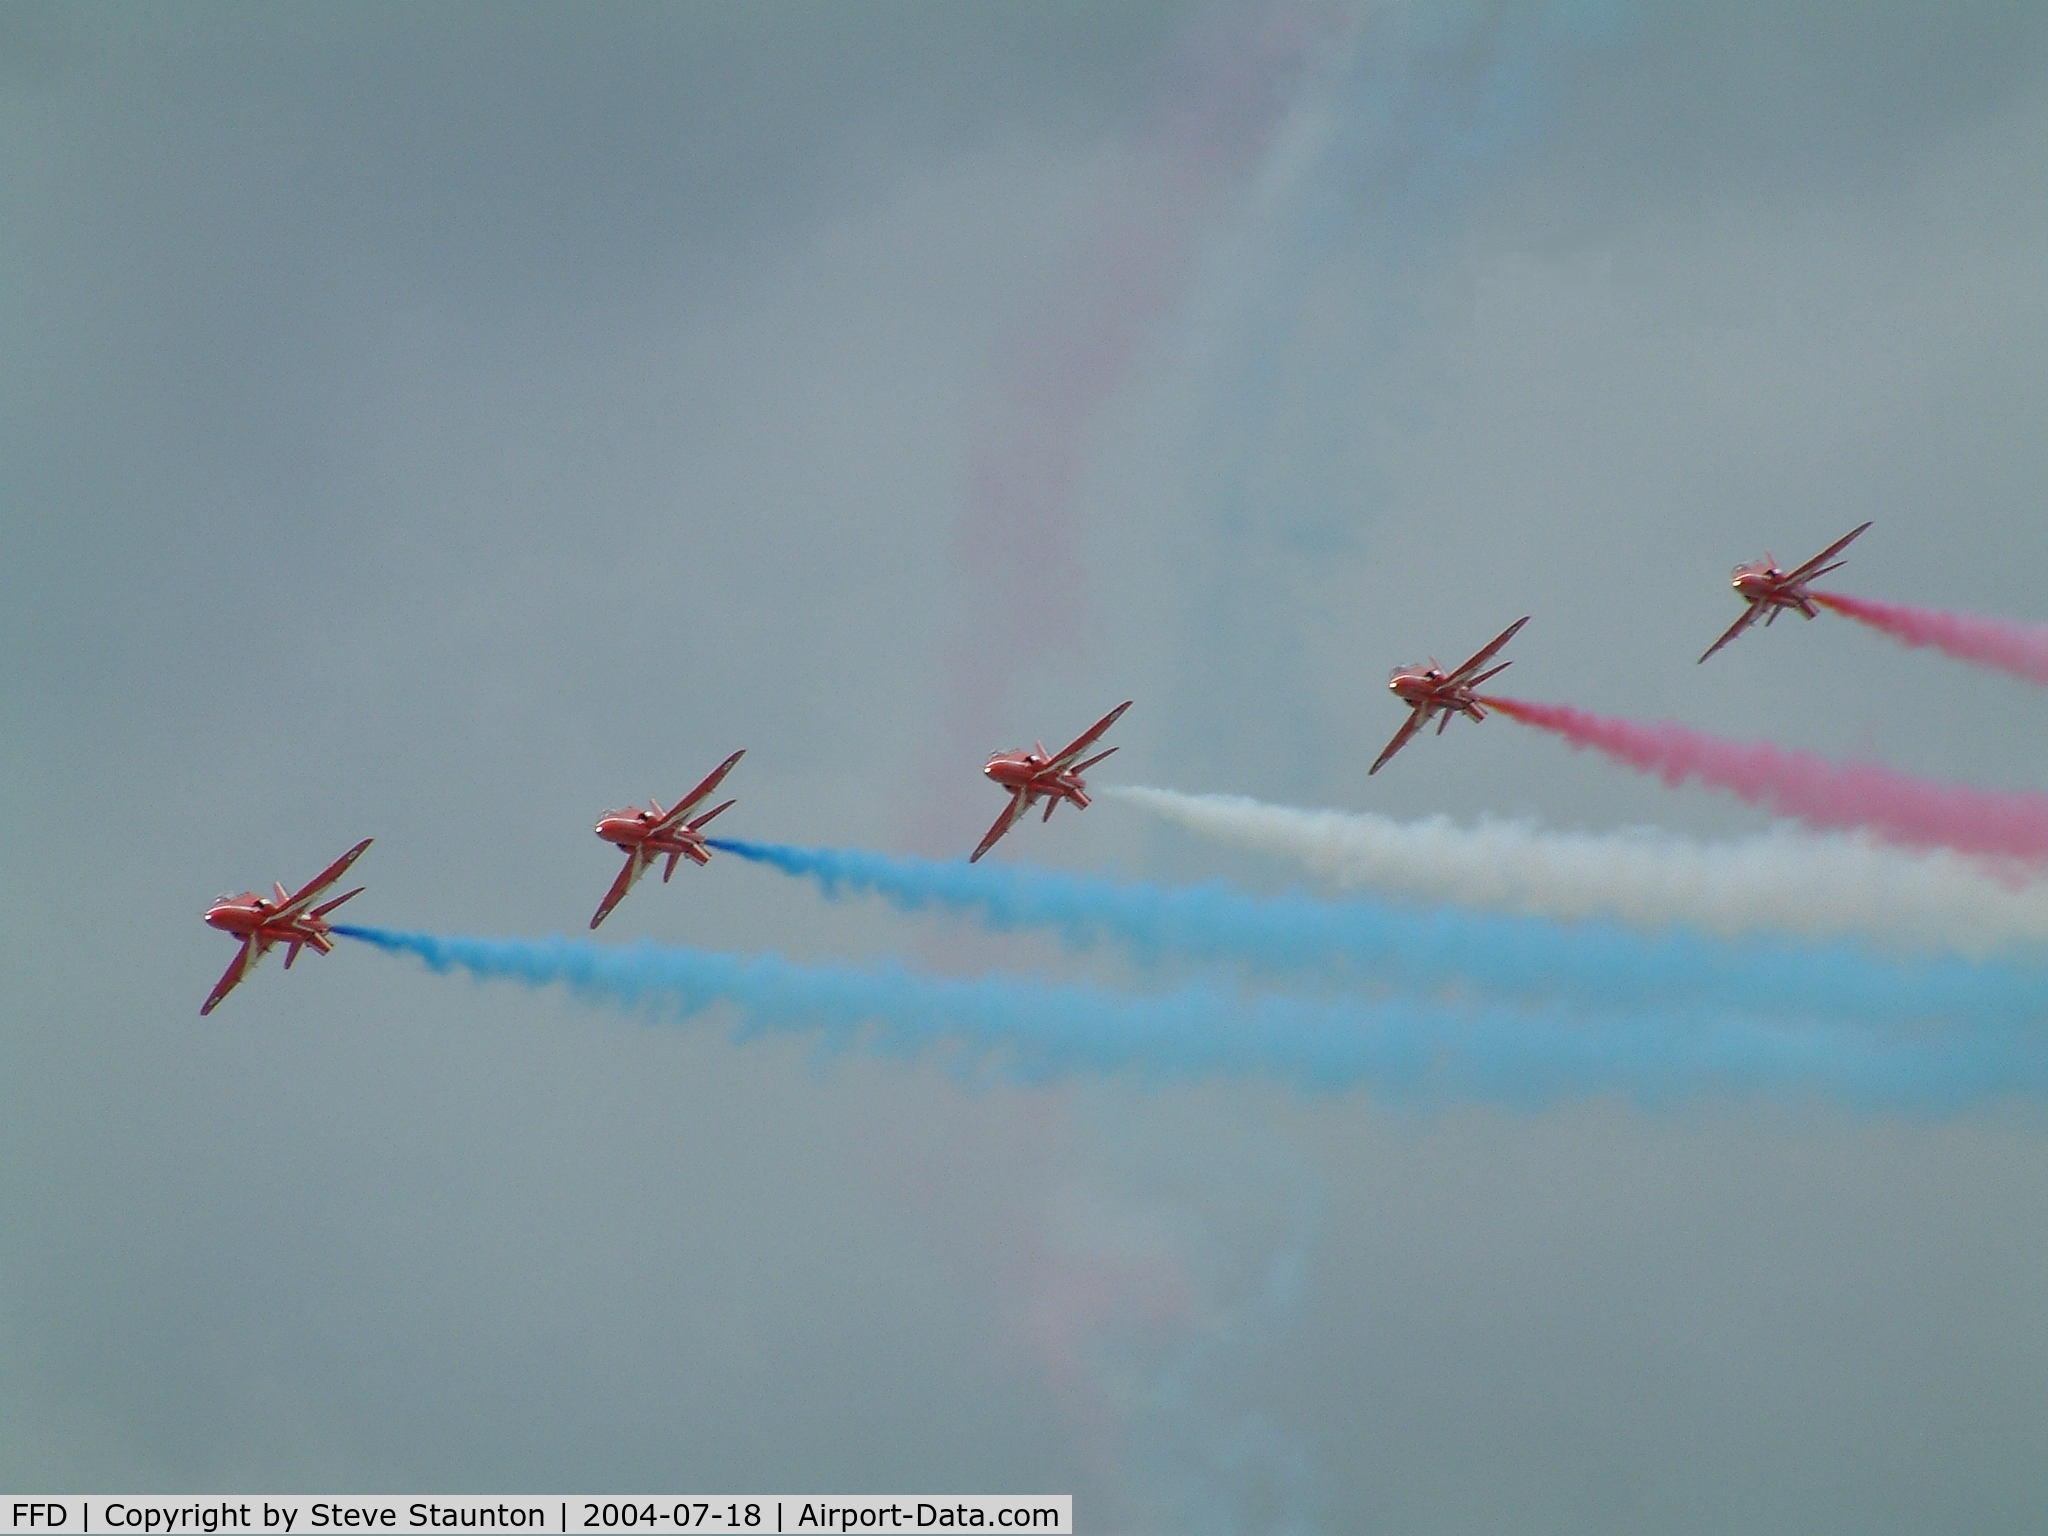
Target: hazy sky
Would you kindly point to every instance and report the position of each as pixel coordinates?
(443, 424)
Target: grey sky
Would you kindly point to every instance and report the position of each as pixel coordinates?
(441, 425)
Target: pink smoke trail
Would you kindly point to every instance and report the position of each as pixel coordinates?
(1229, 83)
(1221, 96)
(2020, 649)
(1918, 813)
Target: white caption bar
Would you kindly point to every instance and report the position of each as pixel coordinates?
(643, 1514)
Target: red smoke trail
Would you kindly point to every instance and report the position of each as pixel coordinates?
(2021, 649)
(1919, 813)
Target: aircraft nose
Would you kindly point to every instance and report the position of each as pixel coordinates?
(216, 917)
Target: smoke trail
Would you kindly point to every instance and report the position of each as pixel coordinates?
(1228, 82)
(1593, 965)
(1030, 1031)
(1240, 1462)
(1314, 291)
(1826, 885)
(2002, 644)
(1919, 813)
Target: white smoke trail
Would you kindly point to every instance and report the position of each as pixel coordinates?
(1780, 881)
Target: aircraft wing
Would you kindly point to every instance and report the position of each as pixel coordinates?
(636, 866)
(243, 963)
(1491, 649)
(1748, 618)
(333, 872)
(1811, 569)
(1012, 814)
(1088, 737)
(674, 815)
(1418, 716)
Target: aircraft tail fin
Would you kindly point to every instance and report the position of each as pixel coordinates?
(322, 911)
(699, 822)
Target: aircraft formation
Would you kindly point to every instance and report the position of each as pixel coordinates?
(649, 836)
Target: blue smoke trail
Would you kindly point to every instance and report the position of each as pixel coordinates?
(1599, 965)
(1030, 1031)
(1327, 291)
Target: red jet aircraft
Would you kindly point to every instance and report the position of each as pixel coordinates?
(1430, 690)
(644, 836)
(1767, 589)
(261, 922)
(1028, 775)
